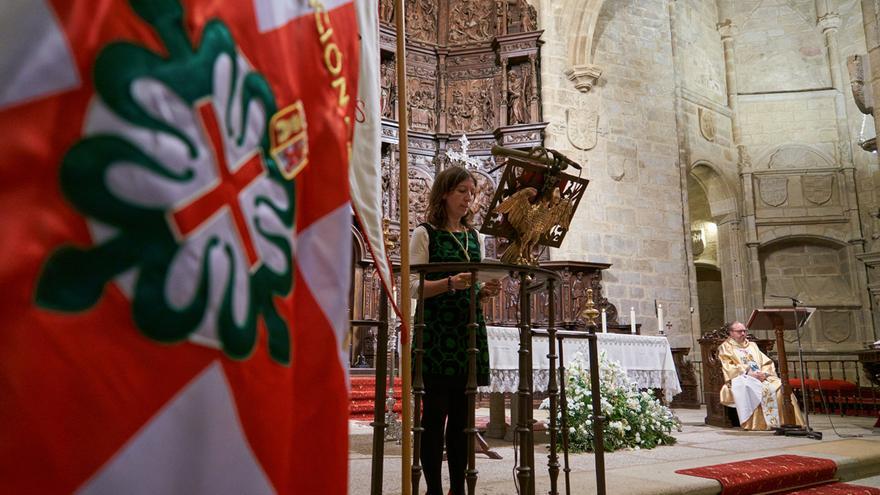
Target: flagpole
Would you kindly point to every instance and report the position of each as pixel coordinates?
(405, 337)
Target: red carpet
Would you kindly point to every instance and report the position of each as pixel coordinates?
(767, 474)
(362, 398)
(836, 489)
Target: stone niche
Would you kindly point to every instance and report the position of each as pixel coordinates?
(820, 273)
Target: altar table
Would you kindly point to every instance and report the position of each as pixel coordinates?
(647, 360)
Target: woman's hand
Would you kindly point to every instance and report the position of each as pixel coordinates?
(490, 288)
(460, 281)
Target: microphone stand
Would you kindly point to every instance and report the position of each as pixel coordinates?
(801, 431)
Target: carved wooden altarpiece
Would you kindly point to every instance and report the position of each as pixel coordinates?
(473, 68)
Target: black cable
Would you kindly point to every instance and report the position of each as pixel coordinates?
(828, 415)
(806, 377)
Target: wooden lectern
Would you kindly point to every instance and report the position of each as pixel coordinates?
(781, 320)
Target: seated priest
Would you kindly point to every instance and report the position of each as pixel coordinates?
(751, 384)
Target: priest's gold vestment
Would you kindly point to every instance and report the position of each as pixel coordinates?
(738, 359)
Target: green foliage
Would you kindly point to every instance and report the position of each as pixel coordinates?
(633, 419)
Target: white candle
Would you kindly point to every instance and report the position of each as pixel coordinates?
(604, 322)
(632, 320)
(660, 319)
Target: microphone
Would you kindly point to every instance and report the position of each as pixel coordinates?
(786, 297)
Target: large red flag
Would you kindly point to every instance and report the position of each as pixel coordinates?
(175, 248)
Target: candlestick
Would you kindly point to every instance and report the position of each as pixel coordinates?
(660, 319)
(632, 320)
(604, 322)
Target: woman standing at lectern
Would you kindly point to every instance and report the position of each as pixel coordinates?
(447, 236)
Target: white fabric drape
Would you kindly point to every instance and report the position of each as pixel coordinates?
(647, 360)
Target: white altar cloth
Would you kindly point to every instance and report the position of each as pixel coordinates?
(647, 360)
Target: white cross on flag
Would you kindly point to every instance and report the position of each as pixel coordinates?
(176, 245)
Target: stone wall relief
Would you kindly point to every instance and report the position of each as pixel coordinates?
(797, 156)
(698, 243)
(582, 127)
(773, 190)
(837, 325)
(707, 124)
(818, 189)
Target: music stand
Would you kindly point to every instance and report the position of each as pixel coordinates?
(780, 320)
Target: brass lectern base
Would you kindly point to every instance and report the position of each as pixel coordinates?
(798, 431)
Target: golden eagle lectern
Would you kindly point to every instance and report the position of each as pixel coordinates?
(534, 201)
(531, 221)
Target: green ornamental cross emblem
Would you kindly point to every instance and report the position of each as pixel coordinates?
(188, 211)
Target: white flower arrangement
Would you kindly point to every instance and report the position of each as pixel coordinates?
(633, 419)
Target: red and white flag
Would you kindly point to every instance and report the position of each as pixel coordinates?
(175, 250)
(365, 172)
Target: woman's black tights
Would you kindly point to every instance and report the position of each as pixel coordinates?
(444, 404)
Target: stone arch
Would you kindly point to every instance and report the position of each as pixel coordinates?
(816, 269)
(714, 232)
(794, 155)
(720, 194)
(710, 294)
(581, 26)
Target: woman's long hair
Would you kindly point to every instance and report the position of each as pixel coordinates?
(445, 182)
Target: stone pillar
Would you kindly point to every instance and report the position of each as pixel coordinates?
(684, 158)
(737, 305)
(752, 285)
(727, 30)
(870, 13)
(742, 292)
(871, 20)
(872, 261)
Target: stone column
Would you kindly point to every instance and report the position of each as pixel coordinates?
(727, 30)
(743, 292)
(871, 21)
(829, 23)
(731, 254)
(750, 236)
(684, 158)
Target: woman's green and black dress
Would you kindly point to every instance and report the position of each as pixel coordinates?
(444, 365)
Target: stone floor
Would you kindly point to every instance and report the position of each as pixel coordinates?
(850, 441)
